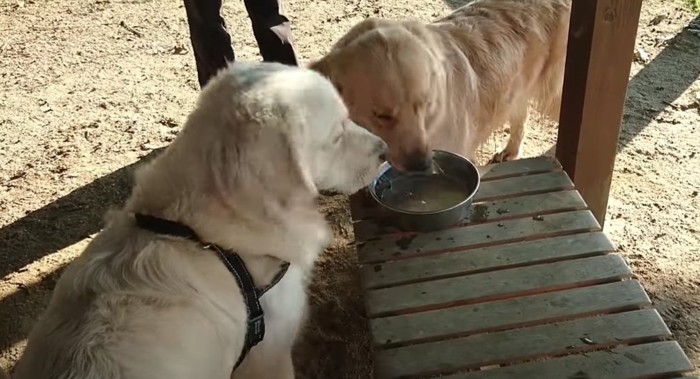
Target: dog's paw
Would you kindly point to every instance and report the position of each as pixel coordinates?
(505, 156)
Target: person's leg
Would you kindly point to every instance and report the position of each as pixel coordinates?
(272, 30)
(210, 39)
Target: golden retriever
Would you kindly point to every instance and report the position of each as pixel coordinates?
(451, 83)
(244, 174)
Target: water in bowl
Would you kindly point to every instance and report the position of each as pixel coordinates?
(423, 193)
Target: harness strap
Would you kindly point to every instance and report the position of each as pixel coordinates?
(255, 331)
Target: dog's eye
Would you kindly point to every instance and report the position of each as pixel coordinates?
(384, 117)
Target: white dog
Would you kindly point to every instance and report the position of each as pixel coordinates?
(243, 174)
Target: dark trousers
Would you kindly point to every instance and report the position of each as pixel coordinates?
(212, 43)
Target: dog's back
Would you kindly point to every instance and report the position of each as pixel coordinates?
(63, 344)
(503, 38)
(125, 308)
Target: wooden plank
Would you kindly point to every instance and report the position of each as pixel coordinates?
(518, 167)
(394, 247)
(600, 49)
(627, 362)
(485, 259)
(448, 356)
(361, 203)
(495, 285)
(509, 314)
(524, 185)
(363, 206)
(491, 211)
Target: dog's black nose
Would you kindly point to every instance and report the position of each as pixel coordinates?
(423, 165)
(419, 162)
(382, 157)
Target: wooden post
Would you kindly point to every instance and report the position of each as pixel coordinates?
(598, 63)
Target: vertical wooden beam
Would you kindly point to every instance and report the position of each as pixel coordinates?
(598, 63)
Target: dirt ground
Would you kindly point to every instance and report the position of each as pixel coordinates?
(90, 87)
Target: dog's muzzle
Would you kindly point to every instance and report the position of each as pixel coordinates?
(382, 150)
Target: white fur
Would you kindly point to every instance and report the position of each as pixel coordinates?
(244, 173)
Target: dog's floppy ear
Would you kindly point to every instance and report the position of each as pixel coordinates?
(322, 66)
(326, 64)
(364, 26)
(283, 139)
(327, 67)
(299, 168)
(261, 154)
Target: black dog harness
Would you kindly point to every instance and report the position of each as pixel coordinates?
(255, 331)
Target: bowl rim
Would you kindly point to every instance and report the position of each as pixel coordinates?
(384, 167)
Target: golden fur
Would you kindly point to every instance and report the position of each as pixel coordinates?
(451, 83)
(244, 173)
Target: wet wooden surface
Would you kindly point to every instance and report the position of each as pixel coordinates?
(528, 286)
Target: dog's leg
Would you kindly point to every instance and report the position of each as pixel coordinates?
(275, 367)
(517, 134)
(286, 368)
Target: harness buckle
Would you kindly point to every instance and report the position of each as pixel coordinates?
(257, 328)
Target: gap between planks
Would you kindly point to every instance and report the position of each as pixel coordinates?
(389, 248)
(496, 285)
(485, 259)
(652, 360)
(361, 201)
(458, 322)
(488, 211)
(513, 346)
(519, 167)
(363, 205)
(505, 170)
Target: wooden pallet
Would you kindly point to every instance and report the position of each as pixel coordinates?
(527, 287)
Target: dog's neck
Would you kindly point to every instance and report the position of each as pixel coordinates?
(258, 224)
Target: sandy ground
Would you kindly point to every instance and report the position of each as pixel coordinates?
(90, 87)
